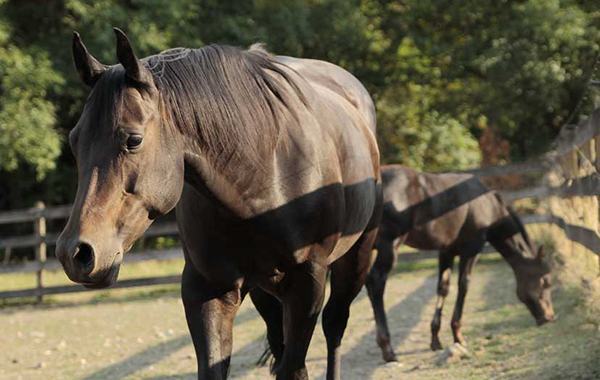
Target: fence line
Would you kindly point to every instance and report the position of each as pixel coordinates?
(31, 214)
(40, 240)
(569, 139)
(175, 253)
(573, 145)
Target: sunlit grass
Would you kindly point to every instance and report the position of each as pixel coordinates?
(16, 281)
(145, 269)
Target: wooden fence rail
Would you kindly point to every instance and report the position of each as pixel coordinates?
(31, 214)
(40, 240)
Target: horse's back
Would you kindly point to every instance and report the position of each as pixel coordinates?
(329, 77)
(436, 211)
(404, 188)
(342, 119)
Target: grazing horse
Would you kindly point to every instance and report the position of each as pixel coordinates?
(273, 165)
(454, 214)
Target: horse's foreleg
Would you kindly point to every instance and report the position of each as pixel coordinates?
(464, 273)
(271, 310)
(348, 275)
(209, 315)
(445, 263)
(376, 286)
(302, 295)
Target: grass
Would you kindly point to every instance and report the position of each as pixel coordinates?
(16, 281)
(417, 265)
(504, 344)
(565, 350)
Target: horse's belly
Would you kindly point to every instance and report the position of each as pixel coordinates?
(360, 203)
(432, 236)
(342, 246)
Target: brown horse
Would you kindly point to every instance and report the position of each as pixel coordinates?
(455, 214)
(274, 168)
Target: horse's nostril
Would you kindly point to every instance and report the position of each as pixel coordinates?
(85, 257)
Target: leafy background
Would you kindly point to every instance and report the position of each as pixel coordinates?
(457, 83)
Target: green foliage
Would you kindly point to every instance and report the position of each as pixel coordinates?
(440, 72)
(27, 117)
(522, 65)
(415, 135)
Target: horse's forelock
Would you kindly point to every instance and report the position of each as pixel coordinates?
(106, 100)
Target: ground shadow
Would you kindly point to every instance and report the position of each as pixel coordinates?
(158, 352)
(410, 310)
(141, 360)
(186, 376)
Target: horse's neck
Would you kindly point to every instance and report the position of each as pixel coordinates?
(230, 188)
(509, 251)
(507, 237)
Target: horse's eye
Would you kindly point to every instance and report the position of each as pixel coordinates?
(134, 141)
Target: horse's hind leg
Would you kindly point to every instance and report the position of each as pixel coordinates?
(210, 317)
(445, 262)
(376, 286)
(271, 310)
(466, 265)
(348, 275)
(303, 290)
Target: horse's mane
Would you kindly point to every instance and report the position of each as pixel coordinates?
(516, 219)
(231, 101)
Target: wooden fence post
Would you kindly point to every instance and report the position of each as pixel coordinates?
(589, 151)
(40, 249)
(7, 253)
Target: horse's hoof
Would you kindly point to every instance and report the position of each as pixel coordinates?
(390, 357)
(436, 346)
(461, 342)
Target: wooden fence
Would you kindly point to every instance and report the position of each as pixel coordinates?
(569, 183)
(41, 239)
(576, 147)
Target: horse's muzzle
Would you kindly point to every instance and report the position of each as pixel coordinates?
(106, 281)
(89, 264)
(544, 320)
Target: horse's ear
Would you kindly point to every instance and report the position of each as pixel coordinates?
(133, 67)
(89, 69)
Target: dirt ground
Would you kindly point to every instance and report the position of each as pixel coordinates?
(141, 334)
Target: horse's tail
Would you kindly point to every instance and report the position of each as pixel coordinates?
(265, 357)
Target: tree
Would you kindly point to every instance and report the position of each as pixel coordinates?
(521, 64)
(27, 117)
(441, 72)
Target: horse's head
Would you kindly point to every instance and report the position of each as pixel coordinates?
(130, 165)
(534, 287)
